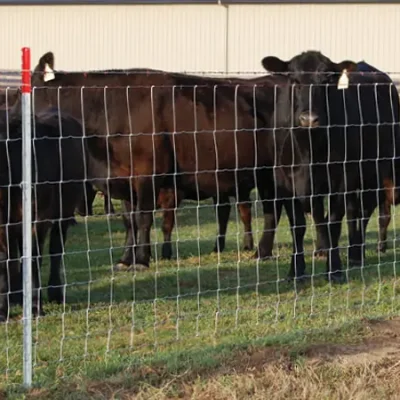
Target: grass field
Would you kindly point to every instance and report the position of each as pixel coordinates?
(151, 333)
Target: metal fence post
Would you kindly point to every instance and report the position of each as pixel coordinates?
(27, 215)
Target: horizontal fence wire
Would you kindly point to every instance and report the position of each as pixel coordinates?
(12, 78)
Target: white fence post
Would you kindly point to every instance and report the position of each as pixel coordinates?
(27, 214)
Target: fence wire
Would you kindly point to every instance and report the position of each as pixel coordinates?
(157, 207)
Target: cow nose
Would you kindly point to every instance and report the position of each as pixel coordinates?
(309, 119)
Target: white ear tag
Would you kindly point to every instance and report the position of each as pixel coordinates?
(343, 80)
(48, 73)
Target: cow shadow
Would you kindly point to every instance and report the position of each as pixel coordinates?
(89, 274)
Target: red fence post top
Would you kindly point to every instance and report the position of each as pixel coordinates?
(26, 70)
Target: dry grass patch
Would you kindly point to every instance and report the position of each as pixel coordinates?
(367, 370)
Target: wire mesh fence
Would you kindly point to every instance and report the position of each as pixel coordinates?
(189, 248)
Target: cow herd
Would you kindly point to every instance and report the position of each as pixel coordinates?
(309, 133)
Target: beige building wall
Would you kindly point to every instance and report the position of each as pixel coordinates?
(199, 38)
(341, 31)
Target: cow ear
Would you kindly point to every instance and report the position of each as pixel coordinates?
(274, 64)
(349, 66)
(45, 68)
(48, 59)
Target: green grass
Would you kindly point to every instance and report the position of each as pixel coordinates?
(195, 312)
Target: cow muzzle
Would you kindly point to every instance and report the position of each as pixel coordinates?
(309, 119)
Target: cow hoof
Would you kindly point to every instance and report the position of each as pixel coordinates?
(121, 267)
(141, 267)
(3, 318)
(299, 280)
(219, 246)
(73, 222)
(381, 248)
(166, 254)
(336, 278)
(38, 312)
(248, 243)
(355, 262)
(263, 258)
(55, 295)
(263, 255)
(320, 254)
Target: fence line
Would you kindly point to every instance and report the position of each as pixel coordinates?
(105, 307)
(12, 78)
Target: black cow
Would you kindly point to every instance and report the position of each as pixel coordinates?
(392, 195)
(148, 130)
(345, 139)
(57, 176)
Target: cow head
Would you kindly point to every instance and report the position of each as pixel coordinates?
(313, 76)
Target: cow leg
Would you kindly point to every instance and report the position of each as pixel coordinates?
(58, 237)
(4, 298)
(385, 214)
(4, 275)
(335, 217)
(14, 268)
(108, 205)
(85, 206)
(384, 221)
(91, 195)
(144, 219)
(322, 242)
(353, 216)
(168, 200)
(244, 207)
(72, 221)
(10, 274)
(167, 228)
(297, 222)
(272, 214)
(128, 218)
(223, 210)
(321, 226)
(363, 231)
(39, 235)
(370, 203)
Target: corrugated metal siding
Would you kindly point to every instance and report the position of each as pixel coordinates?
(9, 79)
(199, 38)
(90, 37)
(361, 31)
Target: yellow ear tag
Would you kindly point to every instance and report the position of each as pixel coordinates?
(343, 80)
